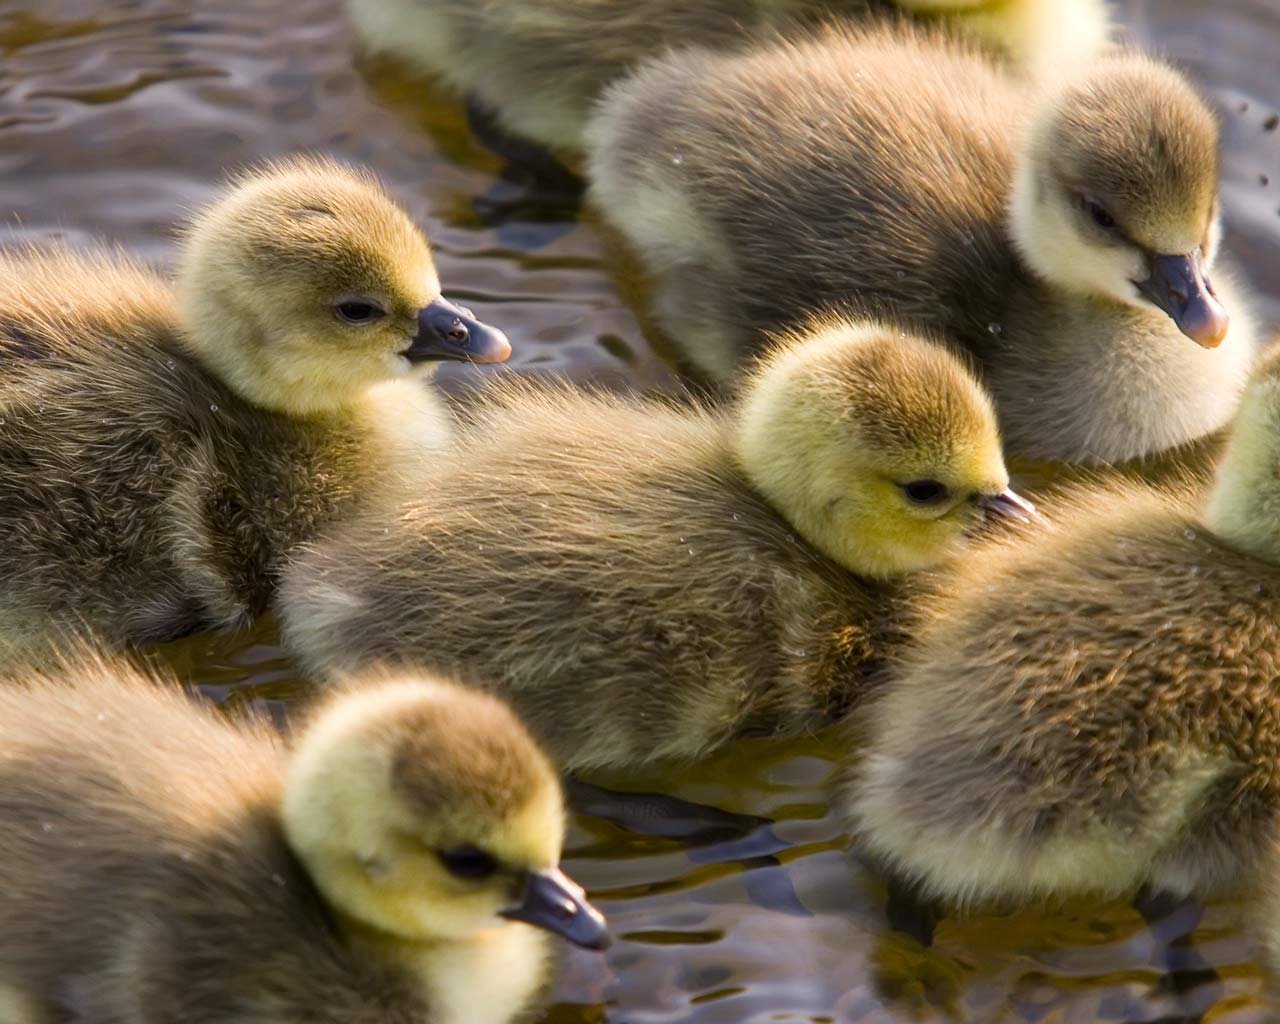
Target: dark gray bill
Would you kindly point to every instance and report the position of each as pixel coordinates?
(446, 331)
(1179, 286)
(1008, 504)
(552, 901)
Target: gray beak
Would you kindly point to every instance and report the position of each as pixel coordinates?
(553, 901)
(1008, 504)
(446, 331)
(1179, 286)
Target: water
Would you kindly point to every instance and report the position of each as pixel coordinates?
(736, 896)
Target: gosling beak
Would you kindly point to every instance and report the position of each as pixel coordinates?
(446, 331)
(553, 901)
(1178, 285)
(1007, 504)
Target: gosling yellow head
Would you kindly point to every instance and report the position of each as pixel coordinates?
(878, 446)
(1117, 192)
(305, 284)
(424, 811)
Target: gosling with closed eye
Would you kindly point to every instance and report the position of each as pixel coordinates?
(539, 67)
(1064, 236)
(1094, 704)
(646, 581)
(159, 456)
(161, 864)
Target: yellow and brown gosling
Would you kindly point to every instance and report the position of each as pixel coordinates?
(1093, 704)
(540, 66)
(161, 864)
(1064, 235)
(646, 581)
(160, 453)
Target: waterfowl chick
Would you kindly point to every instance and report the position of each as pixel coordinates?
(540, 67)
(1093, 704)
(160, 454)
(1063, 236)
(160, 863)
(645, 581)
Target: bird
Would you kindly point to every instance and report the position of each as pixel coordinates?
(1063, 235)
(163, 446)
(535, 70)
(1089, 703)
(160, 862)
(645, 580)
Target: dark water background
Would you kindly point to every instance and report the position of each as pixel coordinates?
(735, 895)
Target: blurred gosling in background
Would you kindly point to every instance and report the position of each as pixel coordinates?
(646, 581)
(160, 453)
(160, 864)
(1064, 237)
(1093, 705)
(540, 65)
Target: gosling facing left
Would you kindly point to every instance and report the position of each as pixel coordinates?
(160, 864)
(159, 455)
(645, 581)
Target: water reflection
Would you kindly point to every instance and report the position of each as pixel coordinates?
(730, 886)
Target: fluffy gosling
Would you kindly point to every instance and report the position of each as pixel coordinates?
(645, 581)
(540, 67)
(161, 453)
(1063, 236)
(160, 864)
(1093, 704)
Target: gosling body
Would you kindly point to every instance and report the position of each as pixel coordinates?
(540, 67)
(897, 172)
(1093, 705)
(160, 454)
(161, 864)
(646, 581)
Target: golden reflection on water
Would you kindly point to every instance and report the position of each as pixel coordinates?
(735, 893)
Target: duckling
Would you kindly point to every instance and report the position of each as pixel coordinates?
(1093, 704)
(646, 581)
(160, 863)
(161, 452)
(538, 68)
(1064, 237)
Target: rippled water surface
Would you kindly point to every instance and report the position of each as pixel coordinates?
(735, 894)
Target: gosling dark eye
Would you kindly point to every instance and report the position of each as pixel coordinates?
(468, 862)
(1099, 215)
(357, 311)
(925, 492)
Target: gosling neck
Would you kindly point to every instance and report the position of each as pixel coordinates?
(1243, 509)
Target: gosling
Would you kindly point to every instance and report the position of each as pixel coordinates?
(1093, 704)
(160, 454)
(539, 68)
(1064, 236)
(646, 582)
(160, 864)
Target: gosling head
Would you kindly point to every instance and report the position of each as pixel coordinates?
(305, 284)
(424, 812)
(878, 447)
(1244, 505)
(1116, 194)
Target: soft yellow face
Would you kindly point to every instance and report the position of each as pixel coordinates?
(425, 879)
(907, 513)
(878, 446)
(306, 285)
